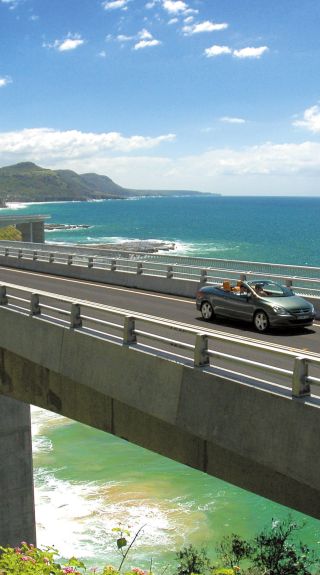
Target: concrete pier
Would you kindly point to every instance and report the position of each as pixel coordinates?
(31, 227)
(17, 516)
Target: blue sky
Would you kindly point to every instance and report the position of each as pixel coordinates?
(211, 95)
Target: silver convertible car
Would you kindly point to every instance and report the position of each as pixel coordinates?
(262, 302)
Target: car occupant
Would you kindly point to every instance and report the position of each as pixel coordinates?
(259, 290)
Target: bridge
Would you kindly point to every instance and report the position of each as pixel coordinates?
(188, 392)
(31, 227)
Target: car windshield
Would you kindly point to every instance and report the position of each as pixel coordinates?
(267, 288)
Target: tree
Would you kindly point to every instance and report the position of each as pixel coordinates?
(192, 560)
(277, 554)
(10, 233)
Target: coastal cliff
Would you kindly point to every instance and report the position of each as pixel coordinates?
(27, 182)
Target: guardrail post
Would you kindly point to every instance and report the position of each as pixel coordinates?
(139, 268)
(288, 282)
(129, 335)
(169, 272)
(242, 277)
(3, 295)
(6, 252)
(203, 276)
(35, 308)
(19, 254)
(75, 316)
(51, 258)
(300, 385)
(201, 356)
(70, 260)
(35, 256)
(113, 265)
(90, 262)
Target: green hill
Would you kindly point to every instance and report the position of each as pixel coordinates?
(26, 182)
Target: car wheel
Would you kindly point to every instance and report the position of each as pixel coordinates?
(261, 321)
(207, 311)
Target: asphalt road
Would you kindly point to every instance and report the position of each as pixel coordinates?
(165, 306)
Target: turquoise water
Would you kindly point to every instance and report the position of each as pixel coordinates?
(279, 230)
(88, 482)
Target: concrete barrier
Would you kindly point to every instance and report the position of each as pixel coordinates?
(173, 286)
(263, 441)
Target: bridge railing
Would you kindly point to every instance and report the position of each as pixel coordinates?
(306, 285)
(201, 349)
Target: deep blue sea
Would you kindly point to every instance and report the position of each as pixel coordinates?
(271, 229)
(88, 482)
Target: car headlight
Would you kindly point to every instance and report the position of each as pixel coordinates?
(312, 308)
(280, 310)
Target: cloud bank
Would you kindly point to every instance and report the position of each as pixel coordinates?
(123, 159)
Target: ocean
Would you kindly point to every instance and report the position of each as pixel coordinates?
(279, 230)
(88, 482)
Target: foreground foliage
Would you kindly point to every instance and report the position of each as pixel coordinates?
(10, 233)
(273, 551)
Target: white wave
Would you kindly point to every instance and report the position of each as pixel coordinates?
(92, 201)
(201, 249)
(15, 205)
(41, 419)
(63, 513)
(78, 517)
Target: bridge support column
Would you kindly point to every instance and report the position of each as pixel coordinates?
(17, 515)
(32, 232)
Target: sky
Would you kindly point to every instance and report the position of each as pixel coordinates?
(217, 96)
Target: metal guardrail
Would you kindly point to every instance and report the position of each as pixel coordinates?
(193, 342)
(308, 286)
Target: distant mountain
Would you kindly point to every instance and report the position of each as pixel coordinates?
(26, 182)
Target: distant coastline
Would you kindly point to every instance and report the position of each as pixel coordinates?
(27, 183)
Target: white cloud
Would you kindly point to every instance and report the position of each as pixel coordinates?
(145, 35)
(206, 26)
(173, 21)
(217, 51)
(44, 144)
(116, 5)
(250, 52)
(123, 38)
(146, 44)
(231, 120)
(72, 42)
(4, 81)
(12, 4)
(311, 120)
(271, 168)
(146, 40)
(175, 6)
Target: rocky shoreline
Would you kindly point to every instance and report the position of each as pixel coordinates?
(147, 246)
(54, 227)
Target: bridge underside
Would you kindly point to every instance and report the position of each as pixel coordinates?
(265, 443)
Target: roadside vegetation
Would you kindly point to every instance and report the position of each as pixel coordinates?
(10, 233)
(276, 550)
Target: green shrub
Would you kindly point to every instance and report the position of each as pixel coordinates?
(192, 560)
(10, 233)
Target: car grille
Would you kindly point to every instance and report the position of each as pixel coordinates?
(305, 311)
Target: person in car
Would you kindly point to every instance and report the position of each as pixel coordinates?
(258, 288)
